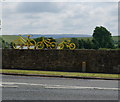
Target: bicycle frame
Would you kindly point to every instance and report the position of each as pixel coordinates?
(21, 42)
(66, 43)
(47, 43)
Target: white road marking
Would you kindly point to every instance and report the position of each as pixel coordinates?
(8, 86)
(103, 80)
(14, 83)
(48, 86)
(80, 87)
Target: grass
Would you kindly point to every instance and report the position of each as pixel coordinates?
(61, 73)
(116, 38)
(9, 38)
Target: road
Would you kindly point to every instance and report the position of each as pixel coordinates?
(45, 88)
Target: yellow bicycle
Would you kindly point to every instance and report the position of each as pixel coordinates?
(46, 44)
(21, 43)
(66, 44)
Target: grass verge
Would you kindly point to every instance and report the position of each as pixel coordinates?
(75, 74)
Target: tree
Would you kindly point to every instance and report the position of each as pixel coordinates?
(75, 41)
(89, 44)
(118, 43)
(86, 44)
(38, 39)
(95, 44)
(11, 45)
(3, 43)
(103, 38)
(81, 43)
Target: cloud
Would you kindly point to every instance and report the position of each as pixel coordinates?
(59, 17)
(37, 7)
(60, 0)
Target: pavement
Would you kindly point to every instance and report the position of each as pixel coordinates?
(54, 88)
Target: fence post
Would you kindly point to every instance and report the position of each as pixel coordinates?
(83, 66)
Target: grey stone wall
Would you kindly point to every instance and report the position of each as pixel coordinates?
(0, 58)
(102, 61)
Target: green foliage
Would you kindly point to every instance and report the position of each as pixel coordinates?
(102, 38)
(89, 44)
(86, 44)
(11, 46)
(119, 44)
(75, 41)
(117, 41)
(95, 44)
(5, 45)
(81, 44)
(38, 39)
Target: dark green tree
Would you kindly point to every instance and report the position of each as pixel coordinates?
(3, 43)
(89, 44)
(118, 43)
(95, 44)
(38, 39)
(75, 41)
(102, 38)
(7, 45)
(80, 44)
(11, 45)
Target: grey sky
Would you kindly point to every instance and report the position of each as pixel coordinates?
(59, 17)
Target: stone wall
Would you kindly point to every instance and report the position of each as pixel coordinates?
(101, 61)
(0, 58)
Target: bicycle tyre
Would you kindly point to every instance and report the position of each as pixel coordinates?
(40, 45)
(52, 45)
(60, 46)
(16, 45)
(72, 46)
(31, 44)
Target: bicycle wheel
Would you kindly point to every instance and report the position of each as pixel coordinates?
(60, 46)
(72, 46)
(52, 45)
(31, 44)
(16, 45)
(40, 45)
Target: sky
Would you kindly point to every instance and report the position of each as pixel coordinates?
(58, 17)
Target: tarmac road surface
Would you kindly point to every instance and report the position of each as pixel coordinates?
(46, 88)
